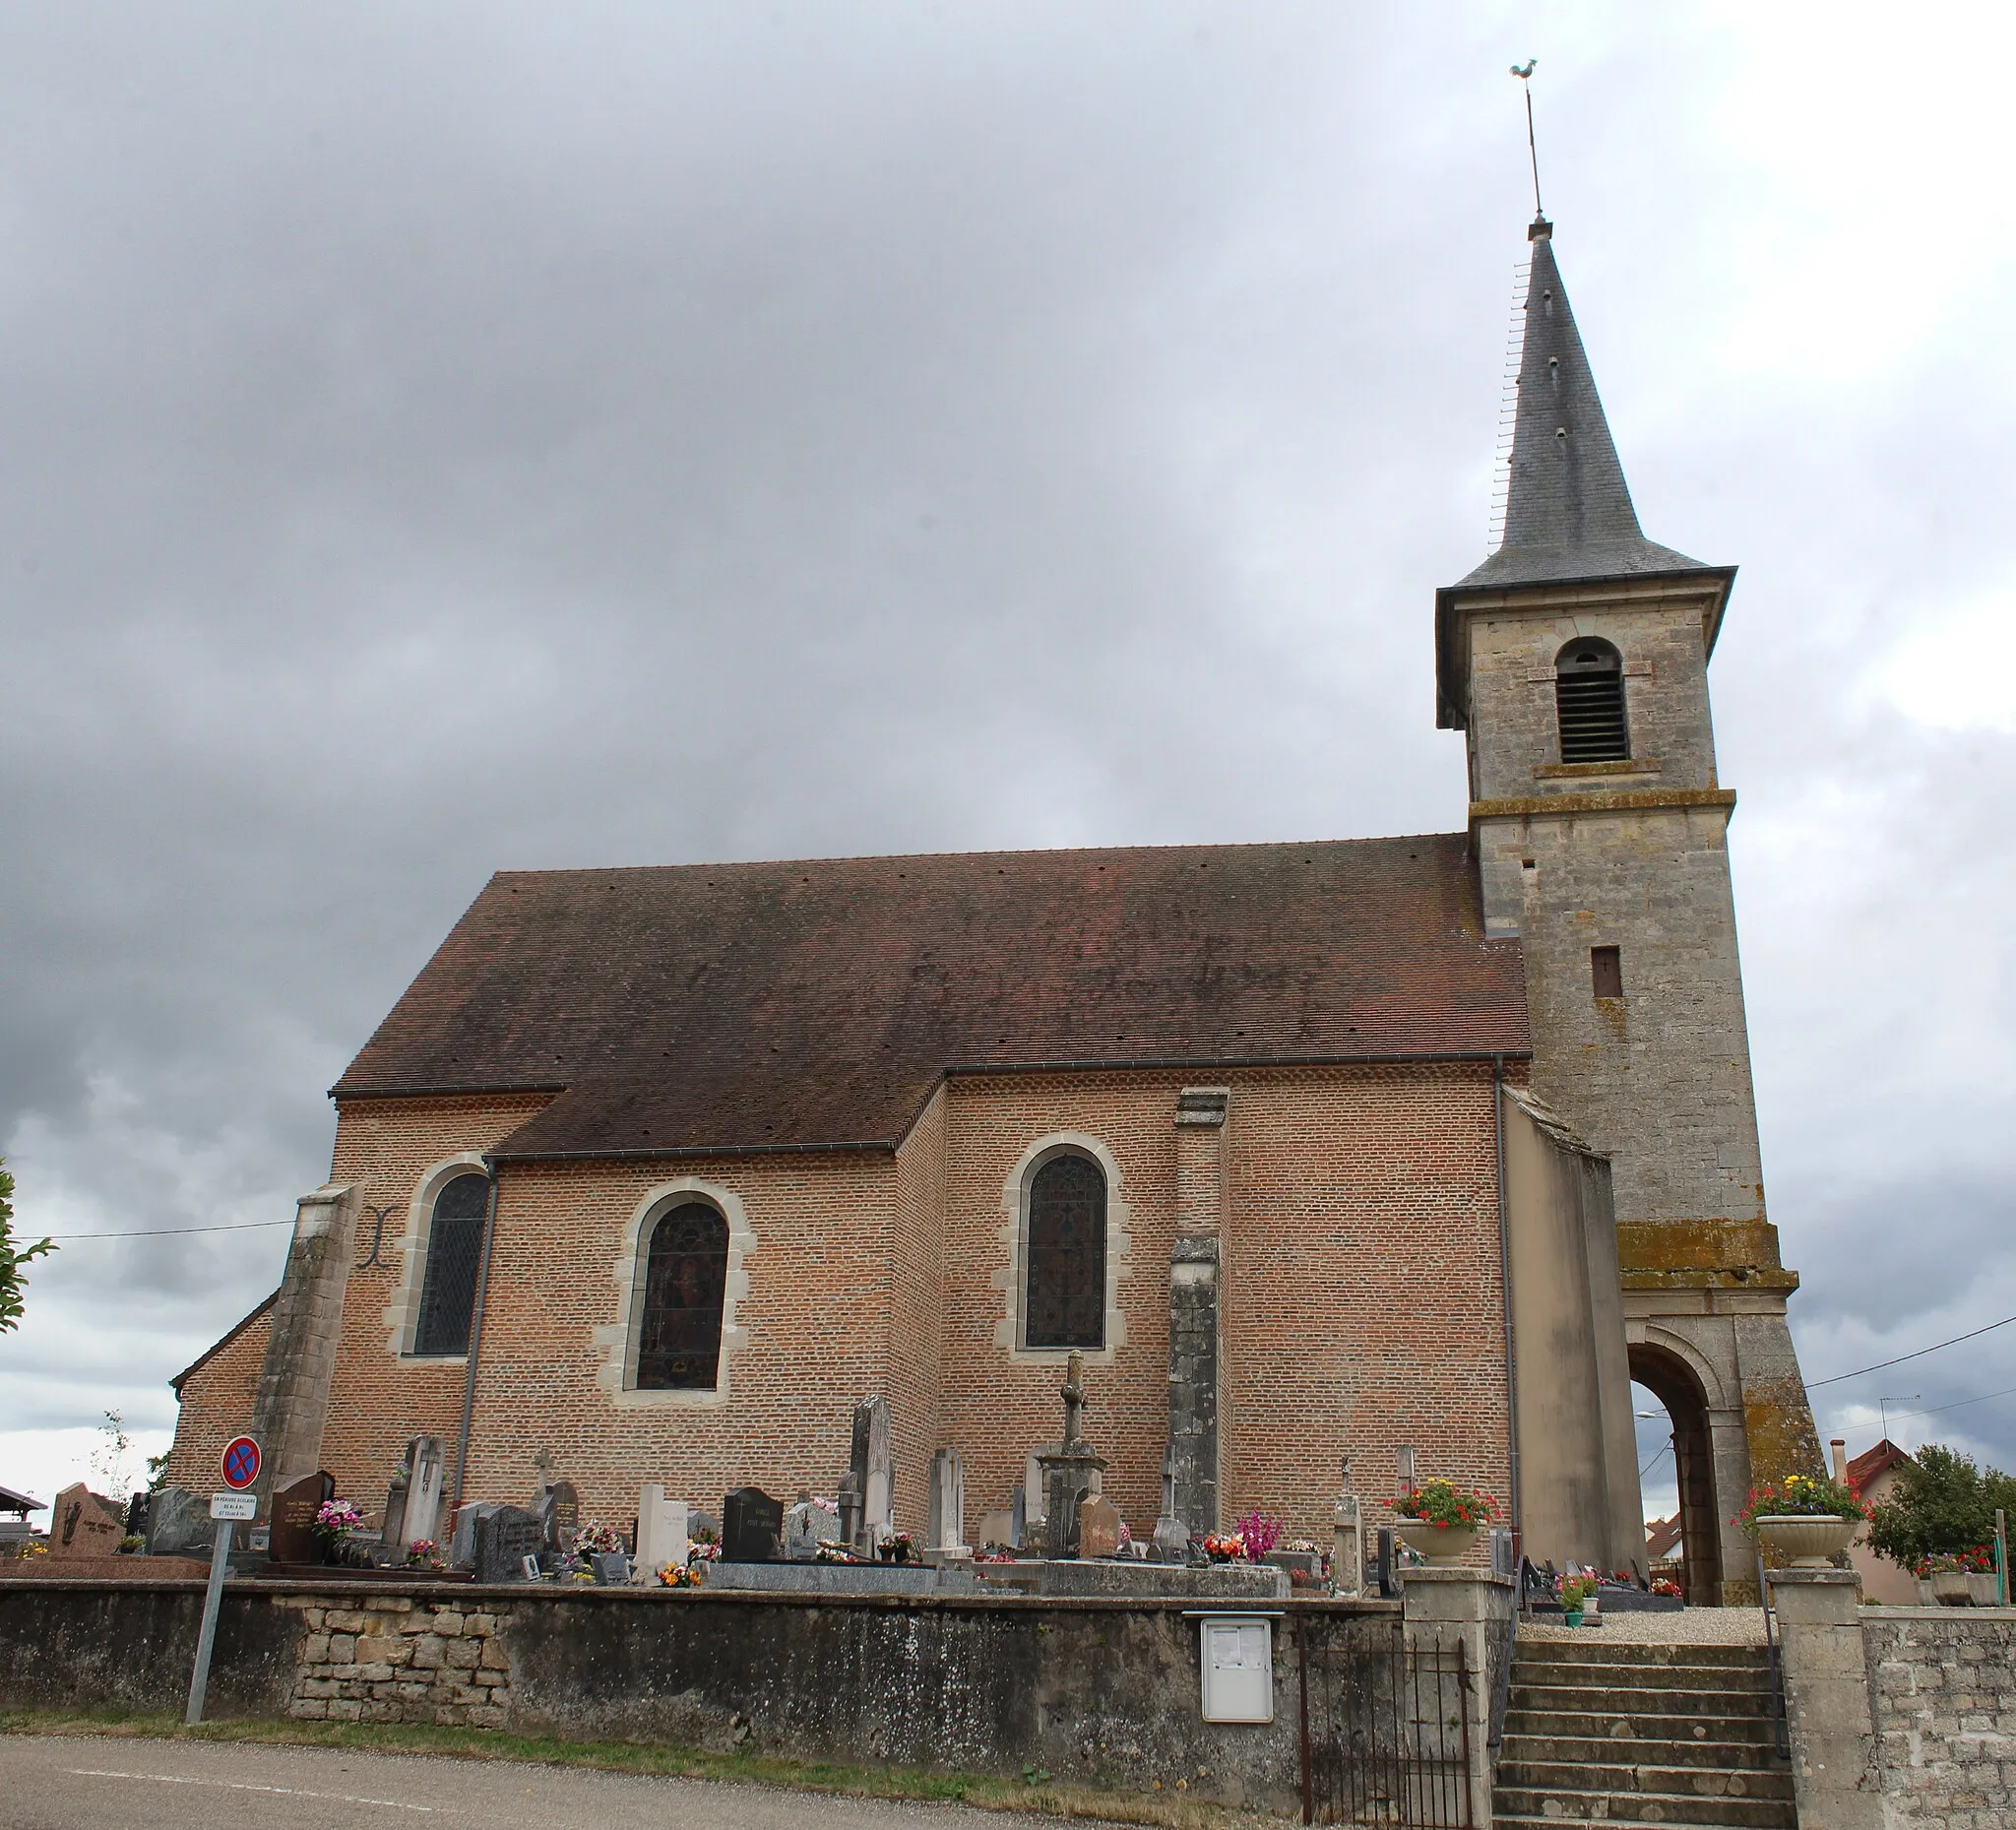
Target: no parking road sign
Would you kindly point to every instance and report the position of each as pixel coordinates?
(241, 1463)
(240, 1469)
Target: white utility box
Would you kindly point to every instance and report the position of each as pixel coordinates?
(1238, 1667)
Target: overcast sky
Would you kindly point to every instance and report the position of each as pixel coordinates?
(442, 438)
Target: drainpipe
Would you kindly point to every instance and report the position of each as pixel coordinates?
(475, 1338)
(1505, 1273)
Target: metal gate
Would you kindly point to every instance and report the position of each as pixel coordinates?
(1385, 1735)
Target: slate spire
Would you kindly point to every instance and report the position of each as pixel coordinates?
(1568, 513)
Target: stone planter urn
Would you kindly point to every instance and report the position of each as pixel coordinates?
(1949, 1587)
(1444, 1545)
(1807, 1539)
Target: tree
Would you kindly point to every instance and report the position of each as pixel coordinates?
(11, 1257)
(1943, 1505)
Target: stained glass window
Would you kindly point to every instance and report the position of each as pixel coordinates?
(679, 1333)
(1066, 1295)
(454, 1250)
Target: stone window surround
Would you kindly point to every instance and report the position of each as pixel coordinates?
(617, 1374)
(403, 1313)
(1011, 1277)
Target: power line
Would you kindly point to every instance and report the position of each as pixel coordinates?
(1655, 1461)
(155, 1233)
(1956, 1405)
(1814, 1385)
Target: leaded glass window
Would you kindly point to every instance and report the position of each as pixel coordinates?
(679, 1346)
(454, 1250)
(1066, 1295)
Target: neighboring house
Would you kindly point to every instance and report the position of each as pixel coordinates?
(1872, 1476)
(14, 1528)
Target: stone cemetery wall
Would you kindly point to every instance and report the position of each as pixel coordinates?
(1099, 1691)
(1942, 1700)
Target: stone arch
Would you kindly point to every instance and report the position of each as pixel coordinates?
(1686, 1385)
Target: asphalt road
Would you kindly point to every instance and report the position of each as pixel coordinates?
(93, 1783)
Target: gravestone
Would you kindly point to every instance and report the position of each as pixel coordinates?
(1018, 1517)
(996, 1530)
(1171, 1532)
(178, 1524)
(874, 1468)
(293, 1510)
(395, 1509)
(1347, 1539)
(753, 1526)
(807, 1526)
(1034, 1496)
(948, 1504)
(1072, 1472)
(85, 1524)
(505, 1536)
(1099, 1522)
(137, 1509)
(851, 1509)
(610, 1568)
(559, 1510)
(661, 1529)
(462, 1543)
(699, 1521)
(425, 1469)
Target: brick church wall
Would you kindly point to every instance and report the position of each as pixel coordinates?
(1363, 1292)
(216, 1404)
(1361, 1279)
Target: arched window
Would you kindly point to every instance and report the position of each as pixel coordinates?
(678, 1344)
(1066, 1296)
(455, 1247)
(1589, 701)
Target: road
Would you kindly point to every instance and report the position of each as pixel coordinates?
(88, 1782)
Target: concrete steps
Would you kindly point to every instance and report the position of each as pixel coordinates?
(1619, 1734)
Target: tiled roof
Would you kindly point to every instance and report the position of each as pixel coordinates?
(1873, 1462)
(817, 1003)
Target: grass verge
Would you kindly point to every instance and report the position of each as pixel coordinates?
(1038, 1793)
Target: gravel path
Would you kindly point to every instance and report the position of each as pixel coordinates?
(1689, 1627)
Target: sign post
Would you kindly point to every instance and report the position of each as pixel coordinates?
(240, 1469)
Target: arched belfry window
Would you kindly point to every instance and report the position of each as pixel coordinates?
(454, 1250)
(686, 1279)
(1064, 1302)
(1589, 701)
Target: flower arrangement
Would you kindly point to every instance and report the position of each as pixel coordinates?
(1302, 1546)
(421, 1550)
(683, 1575)
(1666, 1585)
(1575, 1591)
(334, 1521)
(1224, 1548)
(897, 1547)
(1980, 1562)
(1799, 1496)
(1439, 1501)
(703, 1550)
(594, 1539)
(1259, 1532)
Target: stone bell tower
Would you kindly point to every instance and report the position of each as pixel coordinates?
(1575, 658)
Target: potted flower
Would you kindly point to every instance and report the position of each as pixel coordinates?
(335, 1520)
(1440, 1520)
(421, 1550)
(1576, 1591)
(683, 1575)
(1806, 1521)
(1226, 1547)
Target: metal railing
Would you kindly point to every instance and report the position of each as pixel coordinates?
(1385, 1732)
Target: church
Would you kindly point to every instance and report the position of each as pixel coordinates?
(1415, 1151)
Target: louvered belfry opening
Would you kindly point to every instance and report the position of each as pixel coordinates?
(454, 1250)
(1589, 701)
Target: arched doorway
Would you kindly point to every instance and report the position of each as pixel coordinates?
(1670, 1380)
